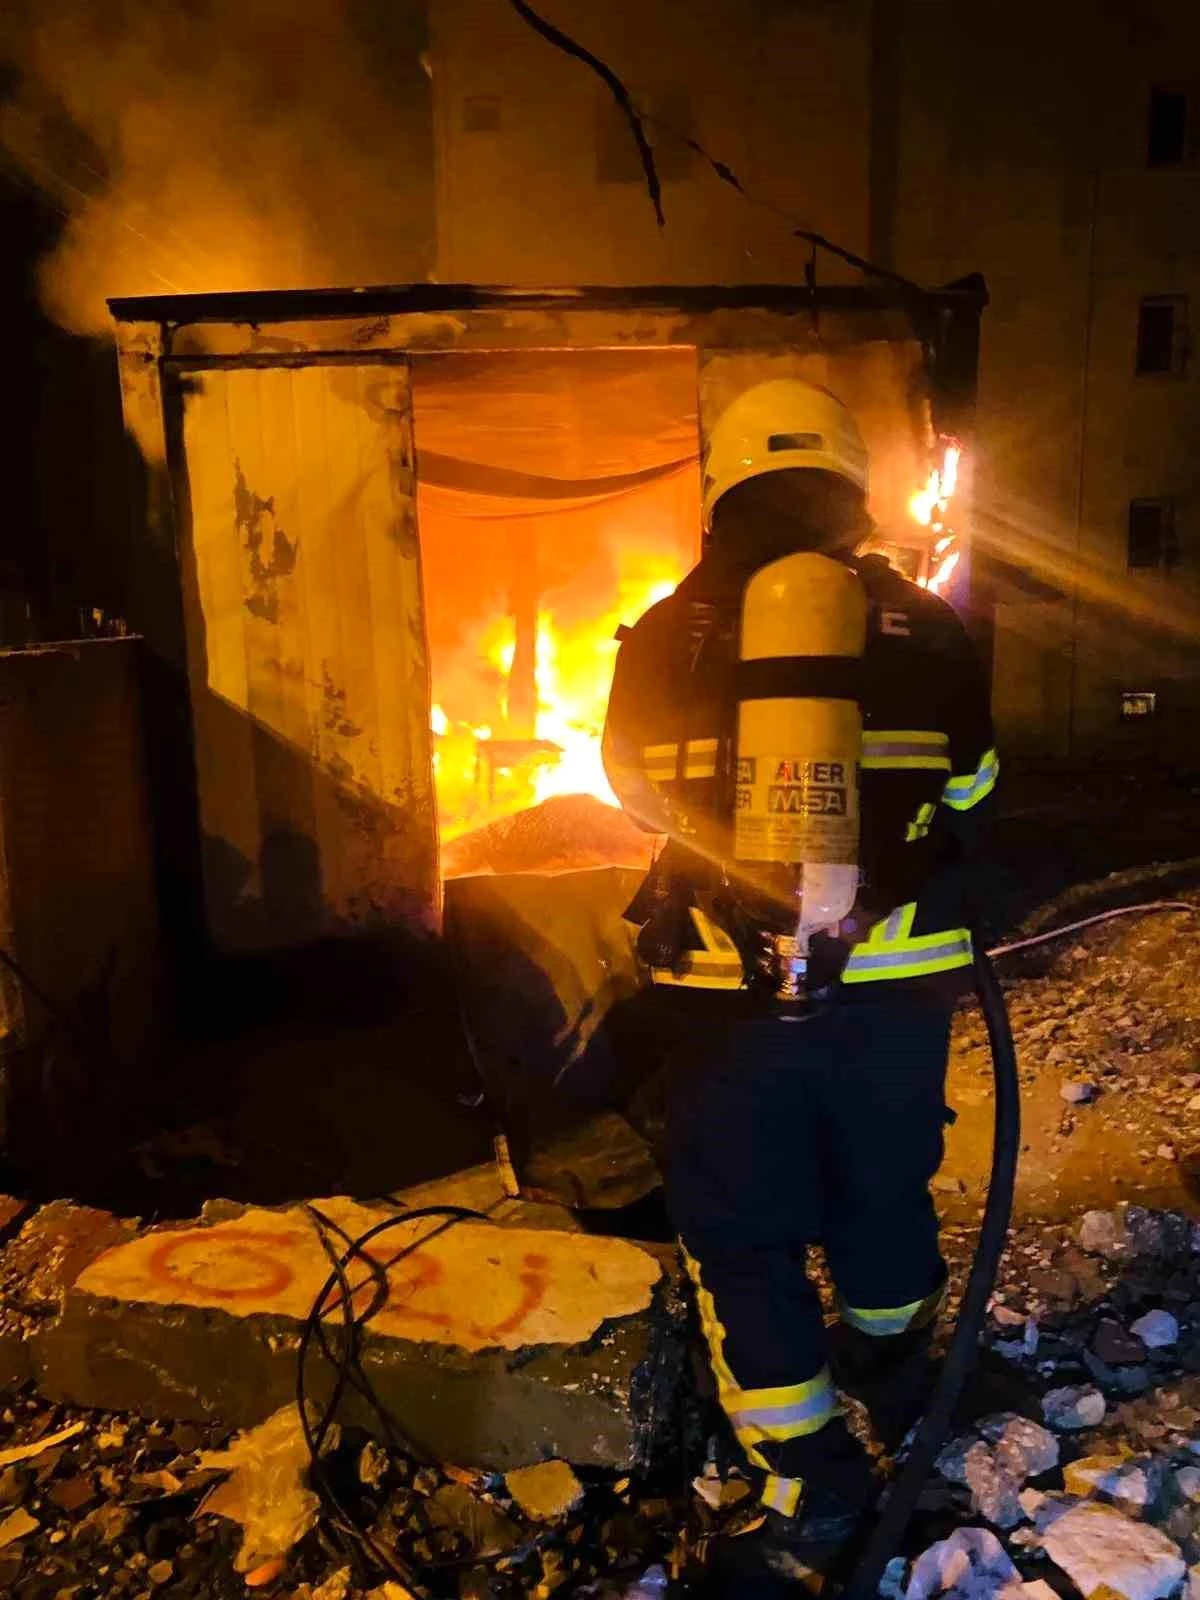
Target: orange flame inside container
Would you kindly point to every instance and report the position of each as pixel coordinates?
(482, 773)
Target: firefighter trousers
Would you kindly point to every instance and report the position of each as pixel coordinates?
(785, 1133)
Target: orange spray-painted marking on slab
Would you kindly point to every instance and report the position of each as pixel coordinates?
(412, 1278)
(533, 1284)
(245, 1244)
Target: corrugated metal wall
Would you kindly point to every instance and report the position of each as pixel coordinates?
(306, 645)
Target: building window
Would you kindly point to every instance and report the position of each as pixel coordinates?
(481, 113)
(1166, 128)
(1162, 334)
(1152, 540)
(667, 120)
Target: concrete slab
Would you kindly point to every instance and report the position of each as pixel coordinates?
(495, 1346)
(36, 1269)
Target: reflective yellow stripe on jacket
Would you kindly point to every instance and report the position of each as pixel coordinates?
(961, 793)
(715, 965)
(662, 762)
(892, 950)
(904, 750)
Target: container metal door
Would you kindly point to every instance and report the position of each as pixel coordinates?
(306, 650)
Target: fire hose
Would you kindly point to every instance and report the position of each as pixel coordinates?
(896, 1511)
(935, 1425)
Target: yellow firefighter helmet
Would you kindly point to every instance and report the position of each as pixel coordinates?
(782, 424)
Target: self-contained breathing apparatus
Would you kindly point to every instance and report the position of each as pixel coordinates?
(783, 856)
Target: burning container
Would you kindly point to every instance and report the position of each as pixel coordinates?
(390, 534)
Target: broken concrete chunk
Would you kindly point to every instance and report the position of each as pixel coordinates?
(1099, 1548)
(652, 1585)
(372, 1464)
(994, 1491)
(1158, 1330)
(1069, 1410)
(1022, 1442)
(1032, 1501)
(336, 1587)
(1078, 1092)
(545, 1492)
(1134, 1231)
(1102, 1233)
(971, 1564)
(16, 1526)
(1132, 1484)
(48, 1441)
(996, 1466)
(204, 1323)
(952, 1462)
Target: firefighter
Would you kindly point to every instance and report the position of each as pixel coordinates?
(821, 1123)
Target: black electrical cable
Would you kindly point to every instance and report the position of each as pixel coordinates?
(563, 41)
(352, 1323)
(727, 175)
(935, 1426)
(349, 1374)
(348, 1359)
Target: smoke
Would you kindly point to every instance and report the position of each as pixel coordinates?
(193, 145)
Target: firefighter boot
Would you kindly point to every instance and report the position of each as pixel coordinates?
(777, 1552)
(892, 1375)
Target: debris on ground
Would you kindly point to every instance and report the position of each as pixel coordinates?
(1157, 1330)
(546, 1492)
(38, 1447)
(1078, 1461)
(1071, 1409)
(267, 1489)
(15, 1526)
(971, 1564)
(1099, 1547)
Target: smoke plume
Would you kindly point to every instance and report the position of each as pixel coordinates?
(194, 145)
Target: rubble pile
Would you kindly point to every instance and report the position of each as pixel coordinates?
(102, 1505)
(1098, 1482)
(1112, 1027)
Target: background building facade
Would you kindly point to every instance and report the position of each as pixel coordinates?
(1055, 151)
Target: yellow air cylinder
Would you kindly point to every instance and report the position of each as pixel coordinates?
(799, 732)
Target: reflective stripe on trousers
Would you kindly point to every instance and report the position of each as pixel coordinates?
(883, 1321)
(763, 1416)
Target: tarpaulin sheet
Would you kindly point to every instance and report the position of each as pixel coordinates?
(582, 462)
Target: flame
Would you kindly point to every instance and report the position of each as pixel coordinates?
(439, 722)
(573, 668)
(945, 572)
(930, 507)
